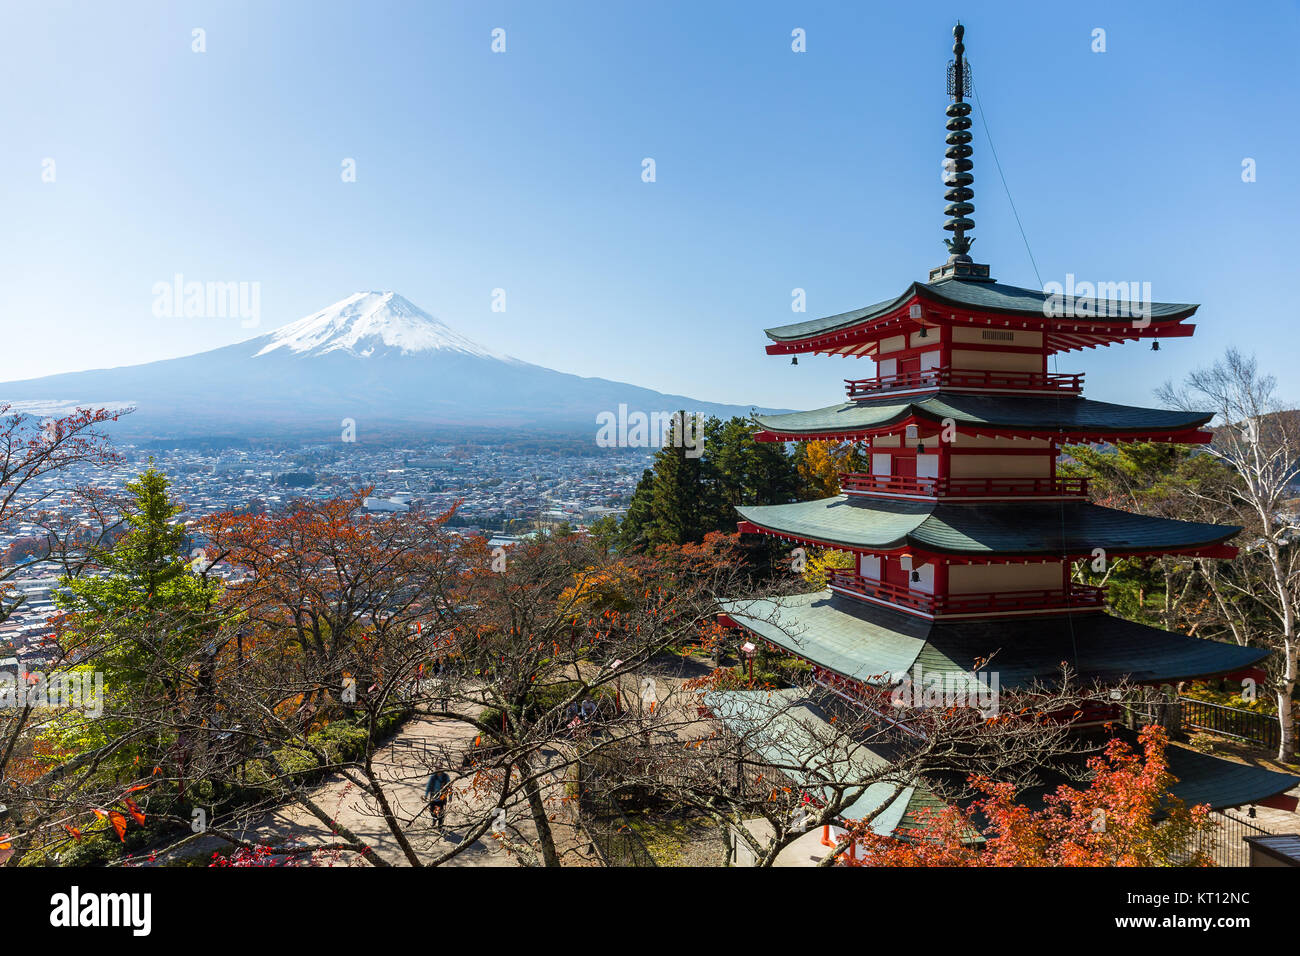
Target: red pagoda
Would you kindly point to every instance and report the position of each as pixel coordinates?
(963, 535)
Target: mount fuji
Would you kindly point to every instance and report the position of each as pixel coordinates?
(374, 358)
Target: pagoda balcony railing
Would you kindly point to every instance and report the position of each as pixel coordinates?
(862, 388)
(860, 483)
(990, 602)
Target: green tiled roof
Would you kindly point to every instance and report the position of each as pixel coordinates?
(1203, 778)
(986, 296)
(1020, 527)
(845, 636)
(783, 717)
(1200, 778)
(1030, 412)
(871, 643)
(781, 728)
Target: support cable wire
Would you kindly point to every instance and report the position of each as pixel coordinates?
(989, 136)
(1065, 559)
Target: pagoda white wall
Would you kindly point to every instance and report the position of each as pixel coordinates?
(1000, 361)
(869, 567)
(1000, 466)
(978, 578)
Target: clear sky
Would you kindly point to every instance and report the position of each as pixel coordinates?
(522, 171)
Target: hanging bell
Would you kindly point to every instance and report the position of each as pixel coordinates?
(794, 360)
(1155, 346)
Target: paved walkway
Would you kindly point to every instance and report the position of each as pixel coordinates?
(404, 764)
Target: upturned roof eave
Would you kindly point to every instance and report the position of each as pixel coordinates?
(916, 408)
(878, 650)
(774, 520)
(1171, 313)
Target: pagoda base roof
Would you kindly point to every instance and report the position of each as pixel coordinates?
(878, 645)
(778, 725)
(1204, 778)
(782, 728)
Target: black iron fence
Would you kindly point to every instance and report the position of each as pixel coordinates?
(1226, 842)
(1261, 729)
(611, 833)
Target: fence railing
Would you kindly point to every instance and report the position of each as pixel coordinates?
(1076, 596)
(1262, 729)
(963, 378)
(610, 831)
(1226, 842)
(860, 483)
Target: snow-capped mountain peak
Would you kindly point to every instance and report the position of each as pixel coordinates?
(373, 361)
(367, 323)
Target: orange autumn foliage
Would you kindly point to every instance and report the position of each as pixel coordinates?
(1124, 817)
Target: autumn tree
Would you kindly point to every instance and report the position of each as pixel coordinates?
(54, 759)
(1260, 442)
(1123, 816)
(820, 562)
(33, 449)
(820, 464)
(563, 623)
(319, 577)
(509, 646)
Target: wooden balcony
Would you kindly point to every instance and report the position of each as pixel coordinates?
(1077, 596)
(992, 380)
(860, 483)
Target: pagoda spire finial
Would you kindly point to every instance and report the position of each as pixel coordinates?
(957, 168)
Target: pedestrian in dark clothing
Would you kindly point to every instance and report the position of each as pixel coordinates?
(436, 792)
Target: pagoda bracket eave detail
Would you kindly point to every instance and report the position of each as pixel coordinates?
(1065, 333)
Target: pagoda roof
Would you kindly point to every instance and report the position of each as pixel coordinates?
(1095, 320)
(784, 730)
(869, 643)
(985, 529)
(1199, 778)
(790, 720)
(1204, 778)
(1031, 413)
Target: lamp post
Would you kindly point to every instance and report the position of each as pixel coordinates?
(749, 650)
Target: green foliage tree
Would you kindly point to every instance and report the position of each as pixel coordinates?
(149, 607)
(605, 532)
(1169, 481)
(634, 529)
(685, 495)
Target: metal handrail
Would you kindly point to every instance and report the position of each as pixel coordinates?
(963, 378)
(862, 483)
(1075, 596)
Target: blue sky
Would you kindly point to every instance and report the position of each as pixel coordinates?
(522, 170)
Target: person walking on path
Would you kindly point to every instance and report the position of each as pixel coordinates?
(436, 792)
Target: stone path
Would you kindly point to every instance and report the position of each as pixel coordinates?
(404, 764)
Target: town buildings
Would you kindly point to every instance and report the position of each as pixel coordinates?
(499, 489)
